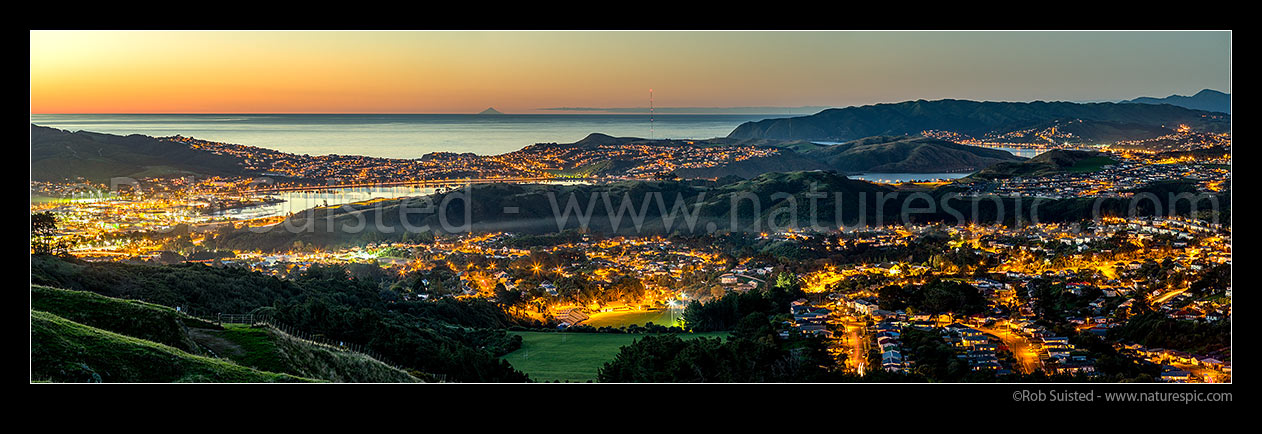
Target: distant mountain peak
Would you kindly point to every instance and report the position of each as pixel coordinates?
(491, 111)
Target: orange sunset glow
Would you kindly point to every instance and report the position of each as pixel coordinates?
(525, 71)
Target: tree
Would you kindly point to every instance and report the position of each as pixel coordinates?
(506, 297)
(784, 281)
(44, 233)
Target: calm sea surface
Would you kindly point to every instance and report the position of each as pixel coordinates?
(899, 178)
(408, 136)
(1020, 152)
(401, 136)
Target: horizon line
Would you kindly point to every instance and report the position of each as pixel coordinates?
(715, 110)
(367, 113)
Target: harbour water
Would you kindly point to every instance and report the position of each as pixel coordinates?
(400, 136)
(1020, 152)
(287, 202)
(899, 178)
(296, 201)
(408, 135)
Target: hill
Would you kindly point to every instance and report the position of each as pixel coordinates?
(67, 351)
(133, 318)
(1097, 121)
(882, 154)
(597, 168)
(266, 348)
(624, 155)
(59, 154)
(1048, 163)
(456, 339)
(261, 348)
(1207, 99)
(786, 161)
(630, 207)
(885, 154)
(490, 111)
(768, 202)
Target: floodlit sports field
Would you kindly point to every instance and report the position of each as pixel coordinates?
(663, 317)
(575, 357)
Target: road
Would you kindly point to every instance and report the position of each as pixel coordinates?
(1167, 296)
(1021, 348)
(1204, 374)
(857, 343)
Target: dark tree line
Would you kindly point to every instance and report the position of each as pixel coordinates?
(726, 312)
(752, 353)
(936, 296)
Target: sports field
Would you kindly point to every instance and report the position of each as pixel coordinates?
(662, 317)
(575, 357)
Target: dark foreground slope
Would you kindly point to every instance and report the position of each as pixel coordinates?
(138, 319)
(67, 351)
(266, 348)
(458, 340)
(258, 347)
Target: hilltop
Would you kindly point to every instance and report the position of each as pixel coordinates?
(1087, 122)
(1048, 163)
(147, 321)
(885, 154)
(881, 154)
(66, 351)
(59, 154)
(600, 155)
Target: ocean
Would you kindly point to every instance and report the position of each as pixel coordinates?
(400, 136)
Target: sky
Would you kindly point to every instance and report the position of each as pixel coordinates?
(532, 71)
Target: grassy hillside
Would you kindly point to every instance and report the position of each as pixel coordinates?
(264, 349)
(456, 339)
(67, 351)
(268, 349)
(134, 318)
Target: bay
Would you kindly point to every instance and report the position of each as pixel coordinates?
(403, 136)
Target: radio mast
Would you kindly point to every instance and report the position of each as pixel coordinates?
(650, 114)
